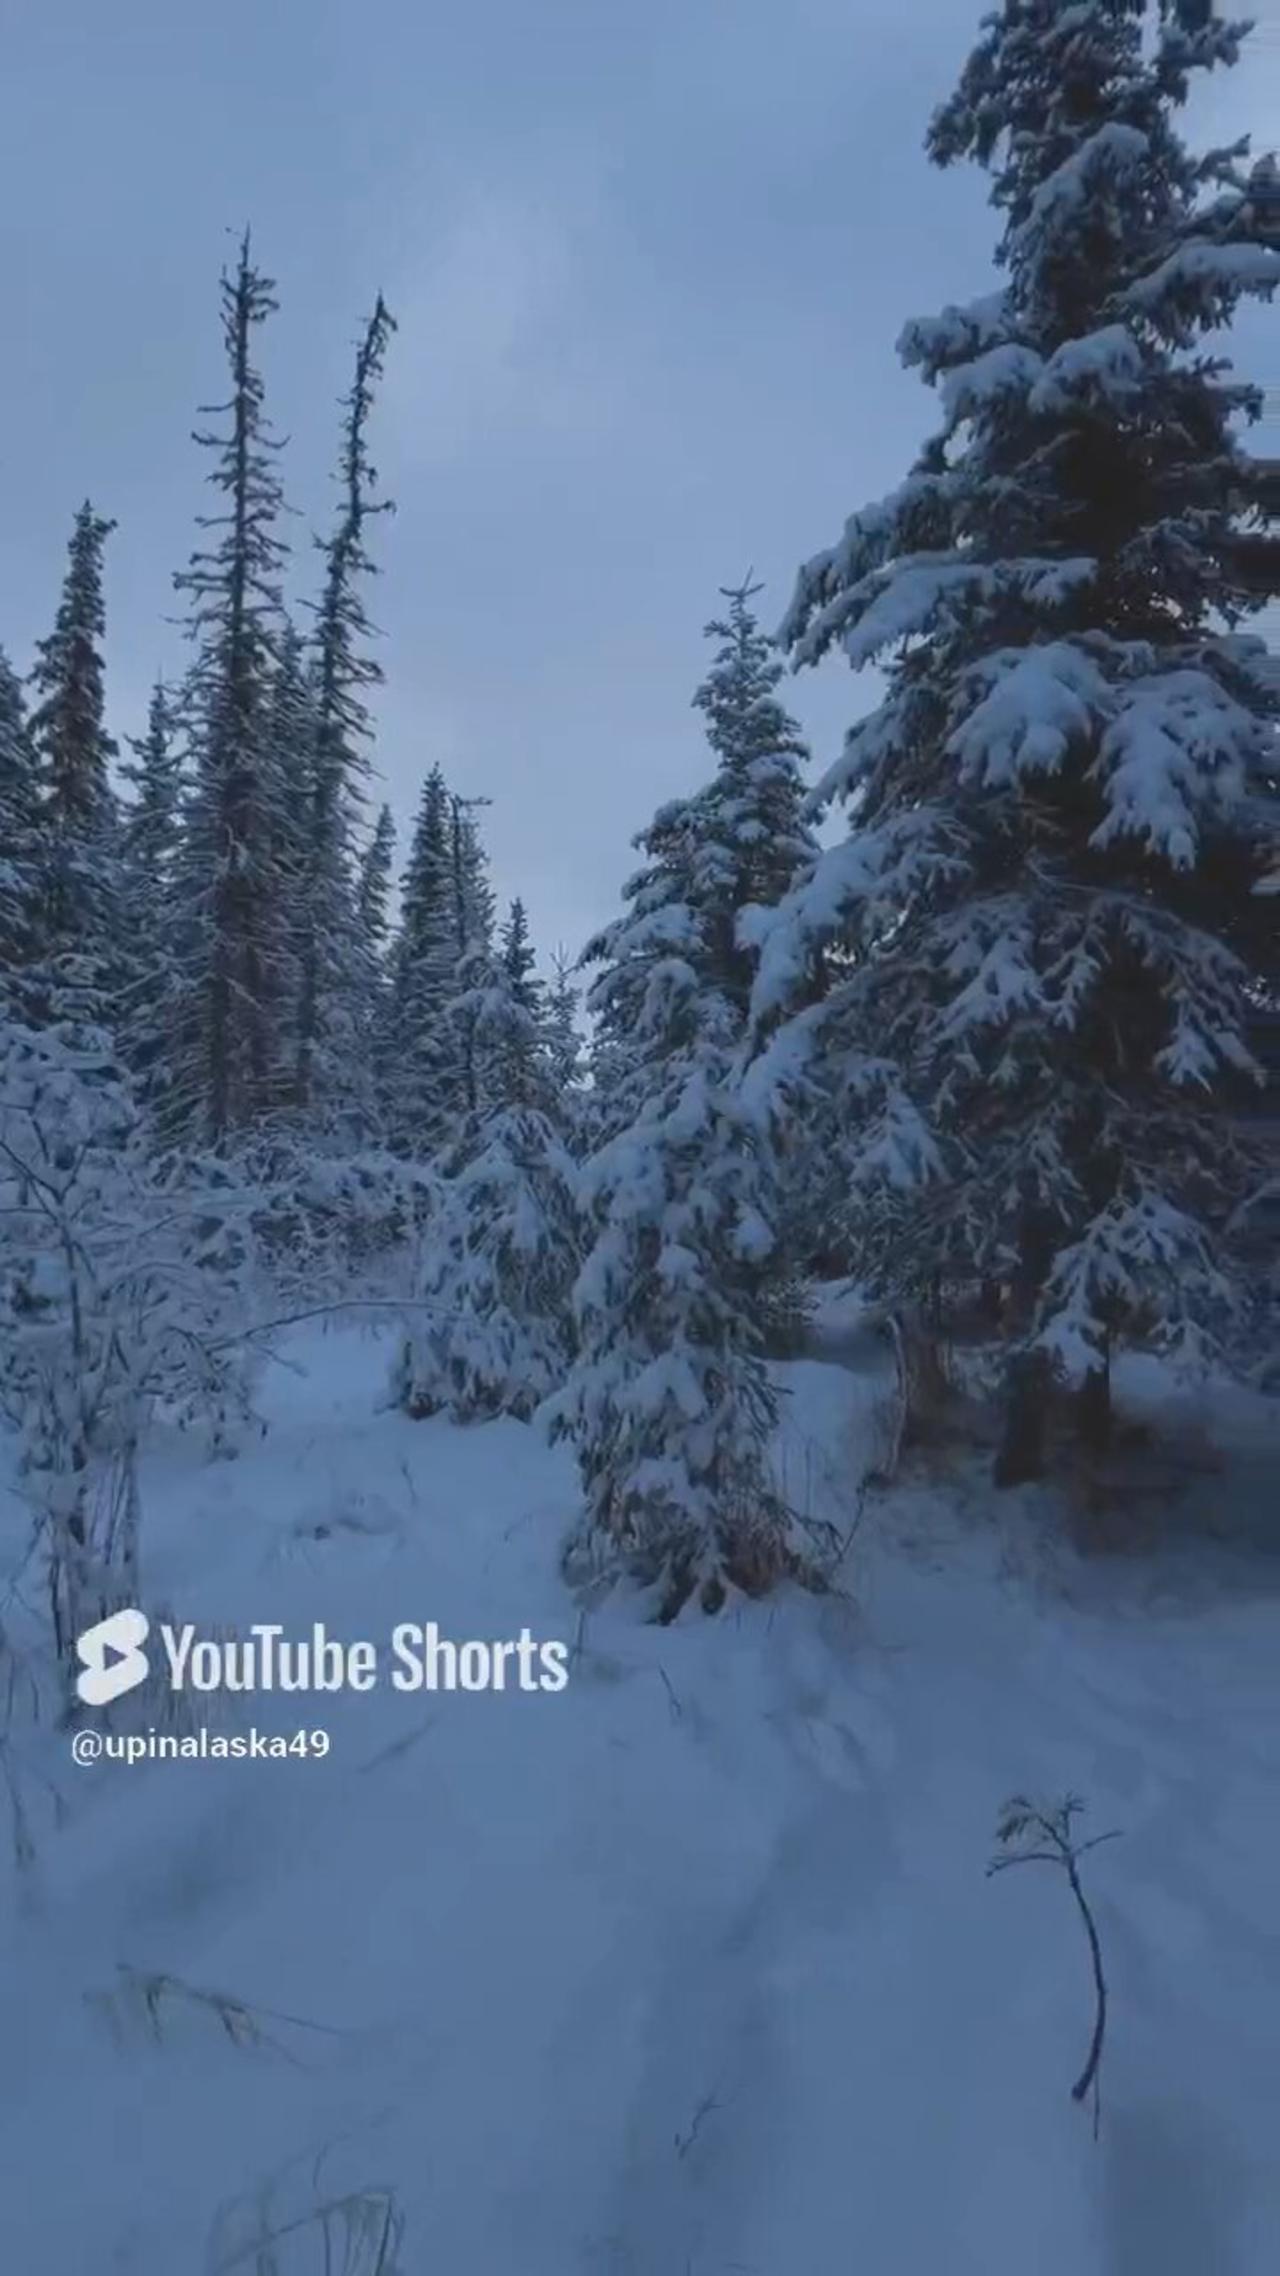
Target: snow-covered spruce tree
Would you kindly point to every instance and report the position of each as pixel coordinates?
(733, 846)
(440, 968)
(670, 1405)
(149, 831)
(373, 928)
(515, 1069)
(291, 732)
(755, 841)
(21, 856)
(150, 822)
(473, 903)
(78, 973)
(762, 843)
(1062, 804)
(608, 1070)
(562, 1043)
(489, 1051)
(465, 1041)
(493, 1328)
(676, 970)
(373, 890)
(235, 968)
(422, 977)
(333, 1076)
(519, 962)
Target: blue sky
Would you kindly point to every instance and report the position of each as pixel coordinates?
(648, 262)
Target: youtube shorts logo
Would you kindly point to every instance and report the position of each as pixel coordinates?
(111, 1657)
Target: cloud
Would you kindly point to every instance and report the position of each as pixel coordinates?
(494, 342)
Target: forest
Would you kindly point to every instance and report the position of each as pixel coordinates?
(944, 1074)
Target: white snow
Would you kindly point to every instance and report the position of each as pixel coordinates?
(1201, 267)
(1175, 752)
(932, 341)
(1036, 703)
(1007, 371)
(1113, 152)
(692, 1968)
(1104, 366)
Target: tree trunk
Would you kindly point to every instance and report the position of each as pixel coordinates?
(1021, 1457)
(1093, 1409)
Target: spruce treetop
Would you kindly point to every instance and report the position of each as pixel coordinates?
(67, 724)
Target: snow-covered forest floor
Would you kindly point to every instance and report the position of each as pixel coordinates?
(693, 1968)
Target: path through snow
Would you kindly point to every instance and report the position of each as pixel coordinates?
(694, 1968)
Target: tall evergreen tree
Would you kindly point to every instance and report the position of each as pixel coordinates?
(331, 1044)
(755, 841)
(516, 956)
(292, 727)
(68, 724)
(151, 822)
(237, 970)
(423, 968)
(472, 900)
(150, 831)
(1068, 793)
(669, 1404)
(511, 1039)
(81, 918)
(472, 908)
(676, 972)
(21, 857)
(496, 1330)
(562, 1040)
(373, 891)
(373, 944)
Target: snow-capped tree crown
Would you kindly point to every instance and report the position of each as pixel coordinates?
(234, 950)
(374, 888)
(68, 722)
(677, 972)
(151, 822)
(334, 972)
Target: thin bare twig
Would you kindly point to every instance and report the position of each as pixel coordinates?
(1022, 1822)
(685, 2142)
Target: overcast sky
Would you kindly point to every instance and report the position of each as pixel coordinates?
(649, 263)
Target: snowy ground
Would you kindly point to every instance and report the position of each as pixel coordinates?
(693, 1968)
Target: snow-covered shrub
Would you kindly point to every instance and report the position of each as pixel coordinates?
(322, 1226)
(493, 1330)
(113, 1295)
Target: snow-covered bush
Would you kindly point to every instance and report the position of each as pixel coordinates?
(325, 1226)
(115, 1293)
(493, 1331)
